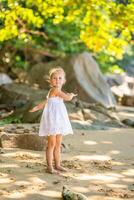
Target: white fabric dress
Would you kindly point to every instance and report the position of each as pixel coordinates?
(55, 118)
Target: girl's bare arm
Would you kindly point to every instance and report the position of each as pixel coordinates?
(39, 106)
(66, 96)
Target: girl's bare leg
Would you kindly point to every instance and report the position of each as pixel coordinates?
(57, 153)
(51, 141)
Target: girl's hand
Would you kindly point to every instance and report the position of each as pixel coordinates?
(73, 95)
(39, 106)
(34, 109)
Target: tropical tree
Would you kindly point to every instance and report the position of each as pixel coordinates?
(65, 26)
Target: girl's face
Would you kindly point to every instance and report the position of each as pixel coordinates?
(57, 79)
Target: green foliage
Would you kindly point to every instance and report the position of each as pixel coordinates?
(116, 69)
(127, 59)
(65, 38)
(11, 120)
(66, 26)
(108, 63)
(20, 62)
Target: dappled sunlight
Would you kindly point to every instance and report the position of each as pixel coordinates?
(116, 185)
(100, 177)
(114, 152)
(128, 180)
(19, 183)
(100, 197)
(116, 163)
(129, 172)
(3, 165)
(80, 189)
(82, 122)
(89, 142)
(97, 167)
(106, 142)
(126, 114)
(37, 180)
(24, 188)
(114, 175)
(93, 157)
(115, 131)
(50, 193)
(22, 154)
(5, 180)
(16, 195)
(28, 161)
(2, 128)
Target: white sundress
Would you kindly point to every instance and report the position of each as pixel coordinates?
(55, 118)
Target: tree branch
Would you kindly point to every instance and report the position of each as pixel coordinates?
(24, 29)
(38, 33)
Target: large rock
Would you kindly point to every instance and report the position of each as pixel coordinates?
(92, 80)
(23, 136)
(83, 77)
(19, 99)
(68, 194)
(122, 87)
(5, 79)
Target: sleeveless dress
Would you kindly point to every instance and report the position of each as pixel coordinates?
(55, 118)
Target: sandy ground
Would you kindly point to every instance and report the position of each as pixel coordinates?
(100, 165)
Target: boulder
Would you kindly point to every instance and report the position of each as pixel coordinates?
(83, 76)
(24, 136)
(18, 99)
(68, 194)
(5, 79)
(122, 87)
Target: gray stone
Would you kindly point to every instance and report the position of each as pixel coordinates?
(5, 79)
(68, 194)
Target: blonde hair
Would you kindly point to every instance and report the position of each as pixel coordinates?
(56, 70)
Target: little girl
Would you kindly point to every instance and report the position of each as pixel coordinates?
(54, 121)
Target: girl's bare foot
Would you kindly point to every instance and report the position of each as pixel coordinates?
(60, 168)
(51, 170)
